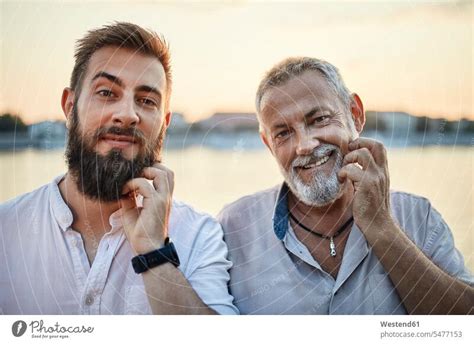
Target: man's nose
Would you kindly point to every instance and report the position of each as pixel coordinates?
(307, 142)
(126, 115)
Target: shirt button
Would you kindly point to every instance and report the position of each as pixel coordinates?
(89, 300)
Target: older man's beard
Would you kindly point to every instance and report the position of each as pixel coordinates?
(102, 177)
(323, 189)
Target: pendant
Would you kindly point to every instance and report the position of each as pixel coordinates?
(332, 247)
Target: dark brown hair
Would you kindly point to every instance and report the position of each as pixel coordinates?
(121, 35)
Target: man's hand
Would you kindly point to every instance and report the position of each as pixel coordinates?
(146, 227)
(423, 287)
(371, 204)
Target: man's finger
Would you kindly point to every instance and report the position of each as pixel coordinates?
(128, 201)
(141, 186)
(361, 156)
(163, 178)
(375, 147)
(352, 172)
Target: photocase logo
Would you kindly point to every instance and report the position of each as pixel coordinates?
(19, 328)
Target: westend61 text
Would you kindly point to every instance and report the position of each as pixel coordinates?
(400, 324)
(38, 327)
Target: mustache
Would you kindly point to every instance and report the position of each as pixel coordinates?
(136, 134)
(318, 153)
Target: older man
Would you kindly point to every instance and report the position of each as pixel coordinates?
(97, 239)
(333, 239)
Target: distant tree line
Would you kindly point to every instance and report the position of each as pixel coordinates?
(12, 123)
(380, 122)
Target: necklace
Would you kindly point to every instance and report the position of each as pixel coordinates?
(332, 246)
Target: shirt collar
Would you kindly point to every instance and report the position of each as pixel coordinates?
(64, 216)
(280, 213)
(61, 211)
(356, 247)
(115, 218)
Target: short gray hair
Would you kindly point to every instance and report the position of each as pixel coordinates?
(294, 66)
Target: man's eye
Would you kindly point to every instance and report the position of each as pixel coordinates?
(321, 119)
(147, 101)
(282, 134)
(105, 93)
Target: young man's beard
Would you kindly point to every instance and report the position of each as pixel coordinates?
(100, 177)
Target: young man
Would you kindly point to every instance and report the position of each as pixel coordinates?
(107, 237)
(333, 239)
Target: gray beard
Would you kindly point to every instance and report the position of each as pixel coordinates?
(323, 189)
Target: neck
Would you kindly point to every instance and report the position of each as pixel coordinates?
(324, 220)
(91, 217)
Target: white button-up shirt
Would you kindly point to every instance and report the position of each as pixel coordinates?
(45, 270)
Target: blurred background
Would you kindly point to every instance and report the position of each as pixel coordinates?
(410, 62)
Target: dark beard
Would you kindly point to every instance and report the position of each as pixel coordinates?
(101, 177)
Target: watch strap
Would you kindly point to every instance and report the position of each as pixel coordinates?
(166, 254)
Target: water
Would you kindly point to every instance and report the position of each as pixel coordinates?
(209, 179)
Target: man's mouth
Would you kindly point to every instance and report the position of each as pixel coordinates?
(319, 162)
(119, 141)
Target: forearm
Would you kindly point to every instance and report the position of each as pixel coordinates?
(170, 293)
(423, 287)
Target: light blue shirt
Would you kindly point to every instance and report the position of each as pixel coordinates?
(274, 273)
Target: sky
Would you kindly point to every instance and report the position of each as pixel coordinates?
(411, 56)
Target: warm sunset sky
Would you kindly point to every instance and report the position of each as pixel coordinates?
(404, 55)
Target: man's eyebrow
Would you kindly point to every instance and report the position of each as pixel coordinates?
(150, 89)
(113, 78)
(306, 116)
(279, 126)
(316, 110)
(118, 81)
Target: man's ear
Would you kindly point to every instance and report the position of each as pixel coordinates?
(67, 102)
(358, 113)
(265, 140)
(167, 121)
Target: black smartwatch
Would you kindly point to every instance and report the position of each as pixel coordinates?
(166, 254)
